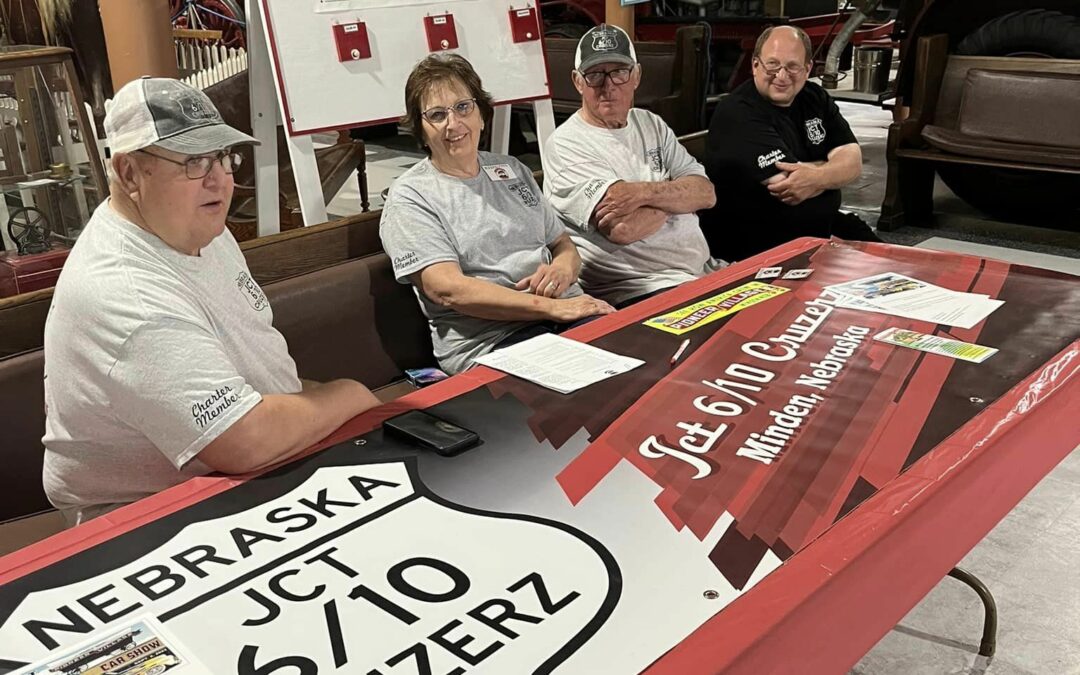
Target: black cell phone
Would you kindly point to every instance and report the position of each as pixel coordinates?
(445, 438)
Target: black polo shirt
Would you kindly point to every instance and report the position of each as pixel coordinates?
(747, 136)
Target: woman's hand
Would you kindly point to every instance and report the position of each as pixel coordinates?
(569, 310)
(549, 280)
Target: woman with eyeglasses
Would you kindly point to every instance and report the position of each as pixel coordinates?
(489, 258)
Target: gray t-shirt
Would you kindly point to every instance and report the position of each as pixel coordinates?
(150, 355)
(496, 226)
(582, 161)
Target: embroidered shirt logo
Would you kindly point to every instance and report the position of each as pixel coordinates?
(251, 292)
(197, 108)
(815, 130)
(655, 159)
(770, 158)
(206, 411)
(592, 186)
(605, 40)
(405, 260)
(525, 192)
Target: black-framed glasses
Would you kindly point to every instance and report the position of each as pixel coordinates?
(596, 78)
(773, 68)
(199, 166)
(440, 114)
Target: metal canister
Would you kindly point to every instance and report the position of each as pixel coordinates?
(871, 65)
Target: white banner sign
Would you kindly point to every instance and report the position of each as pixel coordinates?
(357, 570)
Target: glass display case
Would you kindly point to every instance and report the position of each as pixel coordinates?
(51, 173)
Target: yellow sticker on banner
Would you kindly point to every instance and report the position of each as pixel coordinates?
(717, 307)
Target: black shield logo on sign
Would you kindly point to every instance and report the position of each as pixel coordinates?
(320, 546)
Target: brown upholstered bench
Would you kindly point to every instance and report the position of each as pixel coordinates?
(271, 258)
(22, 398)
(352, 320)
(1015, 116)
(988, 113)
(22, 321)
(348, 320)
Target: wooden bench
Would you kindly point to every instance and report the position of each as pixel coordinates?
(350, 319)
(270, 258)
(936, 112)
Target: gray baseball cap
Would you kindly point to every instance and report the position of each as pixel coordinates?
(604, 44)
(169, 114)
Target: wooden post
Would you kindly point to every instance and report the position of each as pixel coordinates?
(138, 36)
(617, 15)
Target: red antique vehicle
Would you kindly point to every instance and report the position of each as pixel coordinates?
(733, 35)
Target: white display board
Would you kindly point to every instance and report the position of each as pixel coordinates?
(319, 92)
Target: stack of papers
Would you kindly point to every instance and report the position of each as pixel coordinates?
(899, 295)
(558, 363)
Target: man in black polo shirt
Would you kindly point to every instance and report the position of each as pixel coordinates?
(778, 152)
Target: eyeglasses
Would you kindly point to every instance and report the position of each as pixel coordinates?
(773, 68)
(439, 114)
(596, 78)
(200, 166)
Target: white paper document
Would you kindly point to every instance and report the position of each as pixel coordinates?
(899, 295)
(558, 363)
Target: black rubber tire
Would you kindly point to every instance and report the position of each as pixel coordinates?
(572, 31)
(1020, 196)
(1032, 32)
(1028, 197)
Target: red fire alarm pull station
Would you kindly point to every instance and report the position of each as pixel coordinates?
(523, 24)
(352, 41)
(441, 34)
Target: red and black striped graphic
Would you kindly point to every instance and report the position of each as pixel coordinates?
(886, 409)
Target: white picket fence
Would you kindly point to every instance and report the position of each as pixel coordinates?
(211, 63)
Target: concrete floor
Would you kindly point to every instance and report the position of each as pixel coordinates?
(1029, 560)
(1029, 563)
(954, 219)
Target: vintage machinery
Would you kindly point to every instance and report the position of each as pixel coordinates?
(51, 175)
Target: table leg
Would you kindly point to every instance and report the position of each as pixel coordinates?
(989, 637)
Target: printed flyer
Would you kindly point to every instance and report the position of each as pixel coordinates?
(956, 349)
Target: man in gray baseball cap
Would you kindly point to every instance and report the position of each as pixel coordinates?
(169, 114)
(161, 359)
(622, 181)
